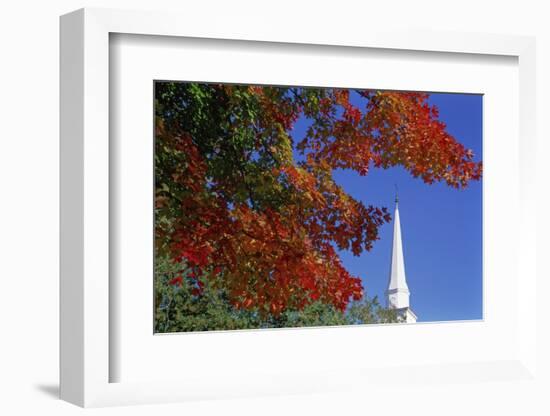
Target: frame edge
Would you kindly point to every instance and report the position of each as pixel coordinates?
(71, 220)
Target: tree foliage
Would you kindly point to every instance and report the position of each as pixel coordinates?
(181, 307)
(245, 215)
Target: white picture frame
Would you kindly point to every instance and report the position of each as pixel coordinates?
(85, 352)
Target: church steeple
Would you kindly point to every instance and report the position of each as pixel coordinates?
(398, 293)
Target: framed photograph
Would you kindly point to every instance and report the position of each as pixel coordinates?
(281, 213)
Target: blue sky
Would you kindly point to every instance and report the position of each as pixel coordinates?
(441, 226)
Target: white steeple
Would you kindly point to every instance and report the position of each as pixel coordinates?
(398, 292)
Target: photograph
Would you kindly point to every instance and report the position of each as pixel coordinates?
(299, 206)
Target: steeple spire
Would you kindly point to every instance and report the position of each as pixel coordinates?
(398, 279)
(398, 291)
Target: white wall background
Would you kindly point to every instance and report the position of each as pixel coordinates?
(29, 202)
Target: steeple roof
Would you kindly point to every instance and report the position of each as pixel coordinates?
(398, 279)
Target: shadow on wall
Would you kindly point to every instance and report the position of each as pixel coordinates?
(51, 390)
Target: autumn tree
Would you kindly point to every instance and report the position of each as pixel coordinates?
(235, 208)
(179, 308)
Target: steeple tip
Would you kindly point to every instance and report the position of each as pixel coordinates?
(396, 195)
